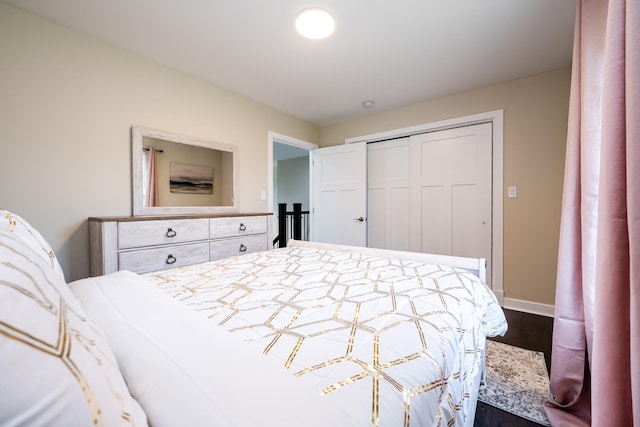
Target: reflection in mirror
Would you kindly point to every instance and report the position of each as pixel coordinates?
(176, 174)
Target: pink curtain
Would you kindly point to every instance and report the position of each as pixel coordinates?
(151, 193)
(596, 342)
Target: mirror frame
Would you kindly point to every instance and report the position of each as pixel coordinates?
(137, 134)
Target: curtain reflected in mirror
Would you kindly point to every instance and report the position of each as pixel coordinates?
(149, 177)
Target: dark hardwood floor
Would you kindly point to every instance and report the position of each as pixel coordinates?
(528, 331)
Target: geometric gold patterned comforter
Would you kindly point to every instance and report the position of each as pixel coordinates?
(395, 342)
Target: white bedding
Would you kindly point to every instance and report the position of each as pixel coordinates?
(184, 371)
(317, 336)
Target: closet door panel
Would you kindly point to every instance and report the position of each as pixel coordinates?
(433, 217)
(400, 230)
(464, 221)
(451, 199)
(376, 218)
(388, 194)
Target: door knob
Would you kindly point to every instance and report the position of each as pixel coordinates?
(359, 219)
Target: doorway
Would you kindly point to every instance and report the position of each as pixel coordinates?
(288, 177)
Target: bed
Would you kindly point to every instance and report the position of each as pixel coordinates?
(311, 334)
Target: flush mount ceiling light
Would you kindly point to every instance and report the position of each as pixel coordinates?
(368, 104)
(315, 23)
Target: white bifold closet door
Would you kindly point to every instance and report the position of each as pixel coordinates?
(451, 192)
(431, 192)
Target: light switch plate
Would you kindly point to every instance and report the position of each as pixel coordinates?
(512, 192)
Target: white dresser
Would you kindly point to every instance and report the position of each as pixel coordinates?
(144, 243)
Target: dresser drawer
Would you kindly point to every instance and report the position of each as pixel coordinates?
(237, 226)
(153, 259)
(224, 248)
(137, 234)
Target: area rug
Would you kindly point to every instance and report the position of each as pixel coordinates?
(517, 381)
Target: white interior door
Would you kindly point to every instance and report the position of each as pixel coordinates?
(451, 192)
(388, 200)
(339, 200)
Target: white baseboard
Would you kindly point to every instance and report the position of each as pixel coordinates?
(528, 307)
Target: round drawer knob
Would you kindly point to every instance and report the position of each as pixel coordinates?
(242, 227)
(243, 248)
(171, 259)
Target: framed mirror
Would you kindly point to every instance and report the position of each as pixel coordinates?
(175, 174)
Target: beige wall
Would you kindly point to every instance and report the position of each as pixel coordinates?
(68, 103)
(535, 124)
(293, 182)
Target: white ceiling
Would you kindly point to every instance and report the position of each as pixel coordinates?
(393, 52)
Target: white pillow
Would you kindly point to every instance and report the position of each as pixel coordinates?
(56, 367)
(31, 237)
(185, 370)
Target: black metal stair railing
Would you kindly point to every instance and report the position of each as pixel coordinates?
(294, 224)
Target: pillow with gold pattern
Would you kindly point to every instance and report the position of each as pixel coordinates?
(19, 227)
(55, 364)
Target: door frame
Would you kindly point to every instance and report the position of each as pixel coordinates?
(496, 117)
